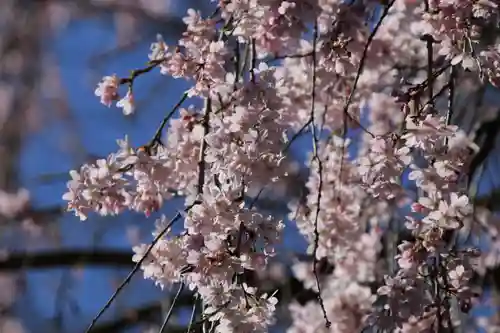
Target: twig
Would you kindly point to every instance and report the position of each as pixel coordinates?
(176, 217)
(138, 72)
(436, 96)
(449, 114)
(412, 94)
(203, 146)
(362, 65)
(353, 89)
(253, 58)
(316, 158)
(419, 87)
(296, 135)
(157, 137)
(451, 95)
(290, 56)
(429, 40)
(171, 309)
(193, 313)
(135, 269)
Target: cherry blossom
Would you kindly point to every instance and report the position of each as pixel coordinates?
(269, 72)
(127, 103)
(108, 90)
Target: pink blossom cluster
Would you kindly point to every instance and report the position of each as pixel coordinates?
(132, 179)
(265, 80)
(107, 90)
(459, 25)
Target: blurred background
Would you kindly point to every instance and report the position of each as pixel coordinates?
(56, 272)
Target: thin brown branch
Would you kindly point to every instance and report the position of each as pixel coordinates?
(134, 270)
(203, 146)
(362, 65)
(171, 309)
(289, 287)
(157, 136)
(199, 189)
(317, 159)
(354, 87)
(149, 313)
(140, 71)
(291, 56)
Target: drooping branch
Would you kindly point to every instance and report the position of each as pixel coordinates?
(152, 312)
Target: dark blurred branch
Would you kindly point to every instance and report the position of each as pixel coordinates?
(490, 201)
(41, 214)
(115, 52)
(486, 139)
(58, 258)
(135, 8)
(115, 258)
